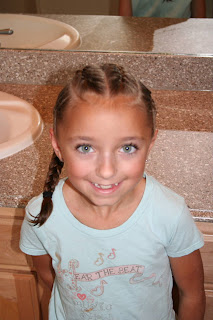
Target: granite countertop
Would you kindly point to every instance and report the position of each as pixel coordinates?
(181, 158)
(133, 34)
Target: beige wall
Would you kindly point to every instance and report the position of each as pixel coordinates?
(103, 7)
(20, 6)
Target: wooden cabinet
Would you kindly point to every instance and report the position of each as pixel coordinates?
(207, 257)
(18, 296)
(22, 294)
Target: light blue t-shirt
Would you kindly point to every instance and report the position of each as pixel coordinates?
(160, 8)
(117, 274)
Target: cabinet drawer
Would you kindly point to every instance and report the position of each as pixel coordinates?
(209, 305)
(10, 226)
(207, 251)
(207, 257)
(18, 297)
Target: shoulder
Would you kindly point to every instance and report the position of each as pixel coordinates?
(166, 207)
(164, 197)
(34, 206)
(171, 221)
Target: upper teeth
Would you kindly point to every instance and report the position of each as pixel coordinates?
(101, 186)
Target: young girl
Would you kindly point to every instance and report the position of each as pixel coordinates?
(108, 238)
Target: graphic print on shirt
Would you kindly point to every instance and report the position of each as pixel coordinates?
(87, 289)
(112, 255)
(100, 259)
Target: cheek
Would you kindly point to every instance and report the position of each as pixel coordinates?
(77, 168)
(134, 169)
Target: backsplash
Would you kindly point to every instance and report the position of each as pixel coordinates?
(157, 71)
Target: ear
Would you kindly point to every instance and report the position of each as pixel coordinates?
(55, 145)
(152, 141)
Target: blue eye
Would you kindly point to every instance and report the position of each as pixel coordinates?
(129, 148)
(84, 148)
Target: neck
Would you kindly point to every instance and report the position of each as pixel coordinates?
(104, 216)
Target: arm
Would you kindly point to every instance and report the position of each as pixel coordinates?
(43, 265)
(188, 274)
(125, 8)
(198, 9)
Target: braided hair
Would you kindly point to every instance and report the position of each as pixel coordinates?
(107, 80)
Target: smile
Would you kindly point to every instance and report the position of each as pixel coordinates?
(105, 187)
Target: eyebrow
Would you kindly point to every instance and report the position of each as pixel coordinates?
(85, 138)
(81, 138)
(133, 138)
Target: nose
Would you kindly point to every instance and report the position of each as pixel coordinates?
(106, 166)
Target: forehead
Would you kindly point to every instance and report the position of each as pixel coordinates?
(120, 116)
(92, 103)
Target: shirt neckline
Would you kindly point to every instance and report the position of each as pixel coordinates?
(67, 214)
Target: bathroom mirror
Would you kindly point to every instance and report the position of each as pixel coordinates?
(101, 29)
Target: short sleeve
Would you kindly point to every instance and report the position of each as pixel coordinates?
(186, 237)
(29, 239)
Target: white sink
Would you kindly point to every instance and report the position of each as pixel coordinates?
(32, 32)
(20, 124)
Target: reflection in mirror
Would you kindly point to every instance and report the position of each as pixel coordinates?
(101, 29)
(92, 7)
(34, 32)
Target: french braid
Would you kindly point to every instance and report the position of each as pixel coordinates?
(51, 181)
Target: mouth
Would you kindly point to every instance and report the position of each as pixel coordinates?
(105, 187)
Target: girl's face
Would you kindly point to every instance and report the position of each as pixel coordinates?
(104, 145)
